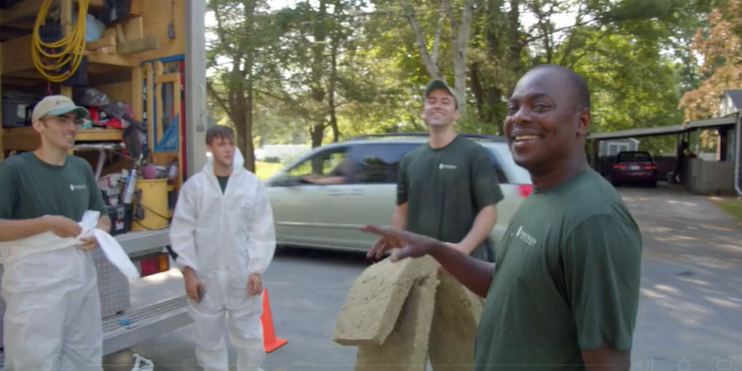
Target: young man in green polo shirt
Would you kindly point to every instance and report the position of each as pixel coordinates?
(53, 314)
(447, 188)
(565, 291)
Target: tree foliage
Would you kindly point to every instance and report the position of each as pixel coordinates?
(326, 70)
(718, 45)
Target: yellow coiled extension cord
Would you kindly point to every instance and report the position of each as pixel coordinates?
(73, 45)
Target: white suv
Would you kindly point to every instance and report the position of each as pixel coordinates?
(329, 216)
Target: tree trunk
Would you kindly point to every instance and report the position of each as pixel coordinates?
(249, 150)
(317, 131)
(318, 67)
(246, 83)
(445, 4)
(239, 118)
(333, 83)
(477, 91)
(422, 47)
(459, 43)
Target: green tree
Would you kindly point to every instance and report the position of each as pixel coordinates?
(336, 64)
(718, 43)
(240, 61)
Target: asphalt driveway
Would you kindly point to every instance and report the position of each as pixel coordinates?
(690, 315)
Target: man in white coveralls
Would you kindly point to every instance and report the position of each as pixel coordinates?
(223, 233)
(50, 284)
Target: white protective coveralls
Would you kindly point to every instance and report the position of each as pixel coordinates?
(53, 315)
(225, 237)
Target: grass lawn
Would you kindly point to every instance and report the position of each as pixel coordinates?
(733, 207)
(266, 169)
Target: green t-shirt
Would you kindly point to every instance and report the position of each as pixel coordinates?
(32, 188)
(445, 188)
(567, 279)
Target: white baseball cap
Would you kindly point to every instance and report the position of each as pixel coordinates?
(55, 105)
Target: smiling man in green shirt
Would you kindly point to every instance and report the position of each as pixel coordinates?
(53, 315)
(565, 291)
(447, 188)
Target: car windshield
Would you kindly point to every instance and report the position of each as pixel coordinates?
(634, 157)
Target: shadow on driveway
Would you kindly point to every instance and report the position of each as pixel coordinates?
(684, 224)
(307, 289)
(690, 315)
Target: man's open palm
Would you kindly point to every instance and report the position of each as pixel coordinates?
(412, 245)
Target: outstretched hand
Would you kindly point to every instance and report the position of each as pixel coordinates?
(384, 244)
(409, 245)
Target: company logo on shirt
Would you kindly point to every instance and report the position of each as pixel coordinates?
(445, 166)
(78, 187)
(527, 238)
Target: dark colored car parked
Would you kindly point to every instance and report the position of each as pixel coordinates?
(634, 167)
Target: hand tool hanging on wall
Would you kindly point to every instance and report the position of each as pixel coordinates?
(171, 25)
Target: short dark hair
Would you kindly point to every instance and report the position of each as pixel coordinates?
(220, 132)
(575, 79)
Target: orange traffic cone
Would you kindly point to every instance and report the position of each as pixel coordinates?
(270, 341)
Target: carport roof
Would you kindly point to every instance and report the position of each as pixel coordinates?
(641, 132)
(723, 121)
(664, 130)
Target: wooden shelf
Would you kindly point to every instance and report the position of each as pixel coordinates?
(29, 8)
(17, 59)
(27, 139)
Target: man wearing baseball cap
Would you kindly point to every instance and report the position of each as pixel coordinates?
(447, 188)
(53, 315)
